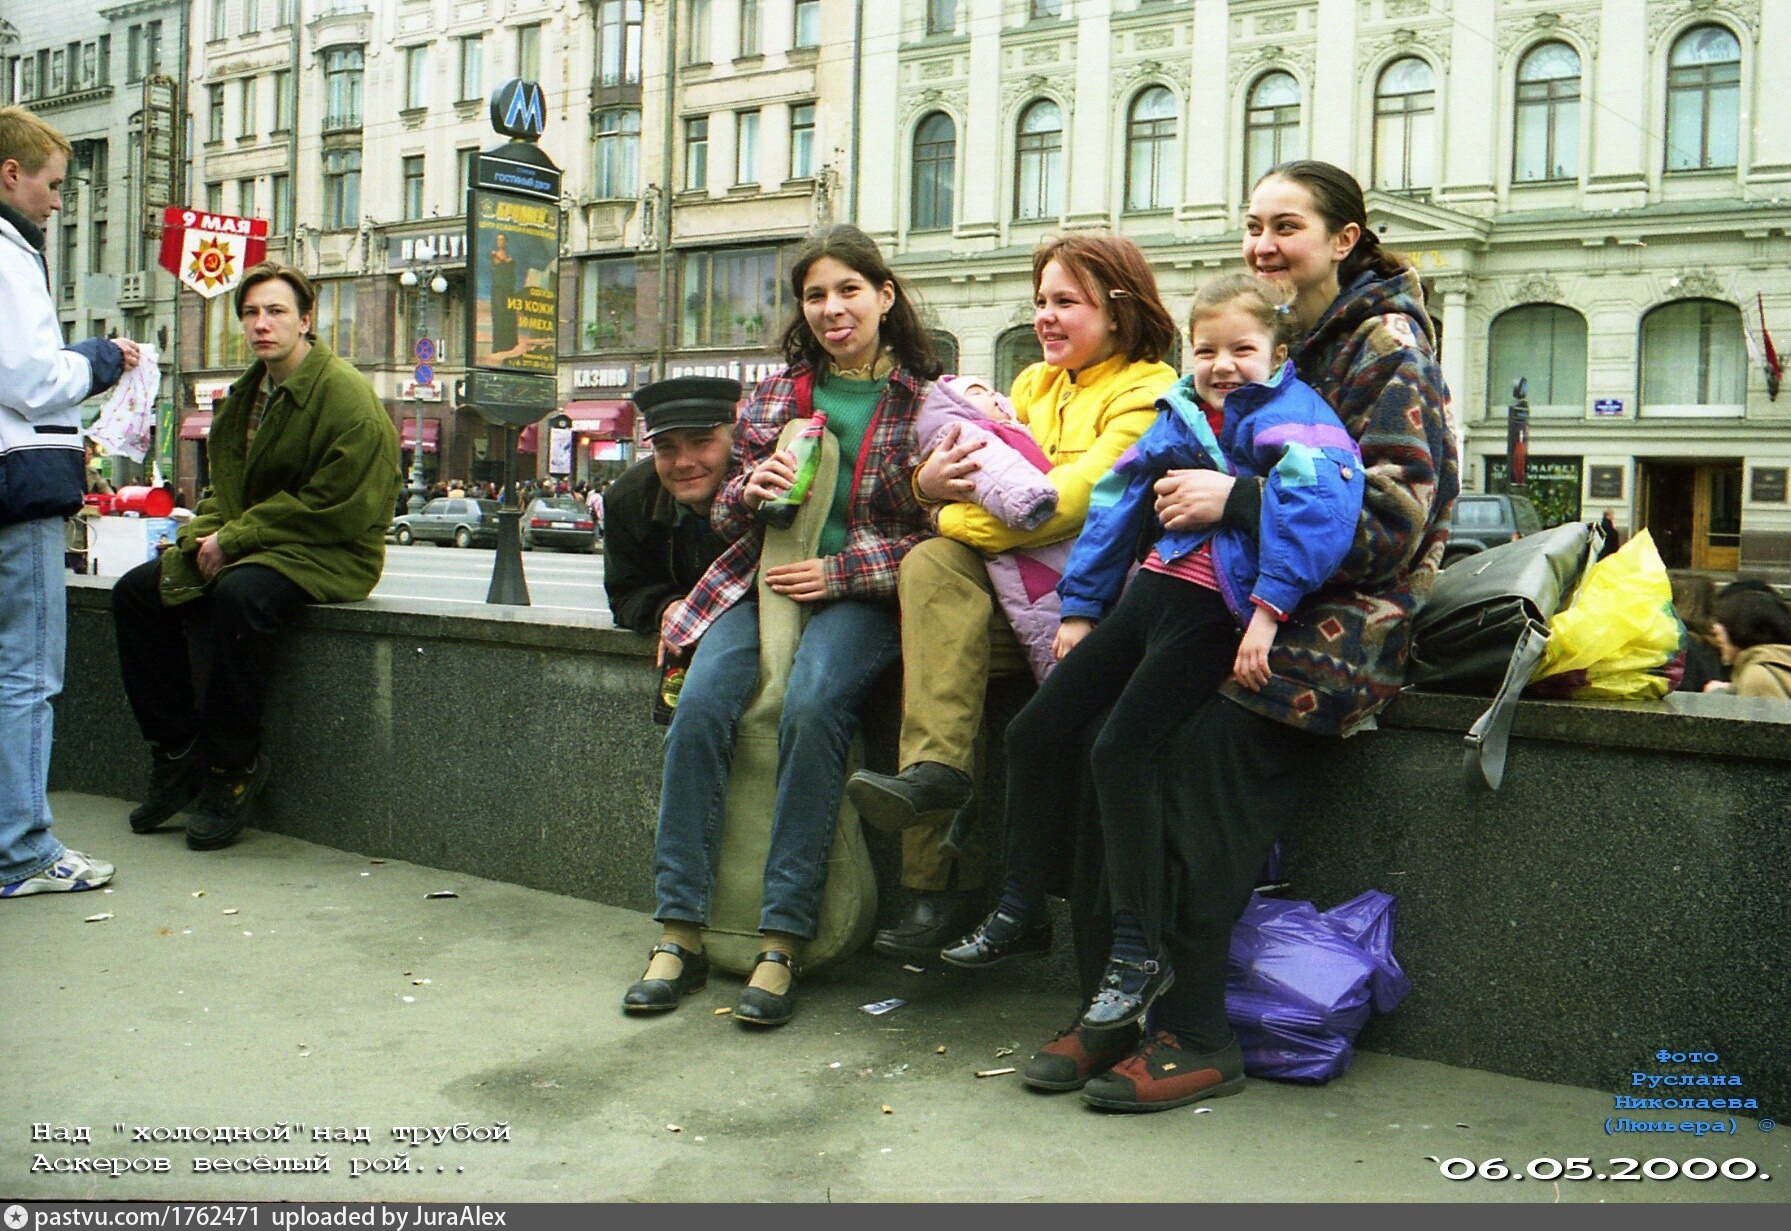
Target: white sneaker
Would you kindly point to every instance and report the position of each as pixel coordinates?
(71, 873)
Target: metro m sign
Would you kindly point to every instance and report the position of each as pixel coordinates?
(210, 252)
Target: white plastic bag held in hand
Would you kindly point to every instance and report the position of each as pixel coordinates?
(125, 423)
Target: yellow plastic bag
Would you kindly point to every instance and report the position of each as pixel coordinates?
(1619, 639)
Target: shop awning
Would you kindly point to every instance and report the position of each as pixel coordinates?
(606, 420)
(432, 434)
(196, 426)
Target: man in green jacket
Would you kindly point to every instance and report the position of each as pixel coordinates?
(304, 477)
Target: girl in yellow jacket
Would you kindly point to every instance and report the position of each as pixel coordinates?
(1104, 332)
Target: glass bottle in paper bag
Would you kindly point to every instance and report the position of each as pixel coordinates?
(781, 512)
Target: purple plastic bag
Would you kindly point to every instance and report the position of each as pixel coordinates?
(1301, 984)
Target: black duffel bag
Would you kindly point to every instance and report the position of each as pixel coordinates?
(1483, 629)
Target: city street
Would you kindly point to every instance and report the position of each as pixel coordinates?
(449, 577)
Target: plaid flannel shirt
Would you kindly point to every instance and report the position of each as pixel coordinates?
(883, 521)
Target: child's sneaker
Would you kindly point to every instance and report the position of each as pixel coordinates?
(71, 873)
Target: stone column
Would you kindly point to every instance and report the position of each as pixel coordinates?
(1207, 174)
(882, 161)
(1454, 358)
(1470, 105)
(982, 163)
(1332, 92)
(1619, 96)
(1089, 162)
(1772, 141)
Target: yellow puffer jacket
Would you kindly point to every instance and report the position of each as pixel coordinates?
(1083, 421)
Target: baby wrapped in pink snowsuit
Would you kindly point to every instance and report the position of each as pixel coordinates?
(1010, 483)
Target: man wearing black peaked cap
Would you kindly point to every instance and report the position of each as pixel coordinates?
(657, 538)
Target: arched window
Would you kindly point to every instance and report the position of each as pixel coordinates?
(1703, 100)
(935, 168)
(1038, 186)
(1544, 344)
(1271, 125)
(1015, 351)
(1405, 118)
(1694, 361)
(1548, 114)
(1150, 150)
(945, 349)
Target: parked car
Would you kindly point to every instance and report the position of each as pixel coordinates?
(464, 523)
(1479, 522)
(559, 521)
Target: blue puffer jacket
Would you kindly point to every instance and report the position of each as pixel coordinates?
(1281, 432)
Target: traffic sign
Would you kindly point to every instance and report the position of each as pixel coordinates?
(424, 374)
(425, 350)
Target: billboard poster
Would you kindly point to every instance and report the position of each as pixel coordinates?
(515, 275)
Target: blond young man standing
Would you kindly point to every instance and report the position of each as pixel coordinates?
(42, 386)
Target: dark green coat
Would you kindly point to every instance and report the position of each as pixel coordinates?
(314, 495)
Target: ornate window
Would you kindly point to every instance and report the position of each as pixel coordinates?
(1703, 100)
(1405, 118)
(618, 153)
(342, 87)
(1545, 344)
(1694, 361)
(1015, 351)
(1548, 115)
(1038, 188)
(1271, 125)
(935, 171)
(1150, 150)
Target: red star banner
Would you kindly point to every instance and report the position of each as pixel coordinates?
(209, 252)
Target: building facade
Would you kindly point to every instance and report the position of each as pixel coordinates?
(699, 143)
(105, 77)
(1597, 195)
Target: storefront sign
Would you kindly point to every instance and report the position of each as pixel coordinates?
(603, 376)
(206, 394)
(446, 248)
(1607, 408)
(1606, 483)
(1553, 485)
(749, 372)
(1768, 486)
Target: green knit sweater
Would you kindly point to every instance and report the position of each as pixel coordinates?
(849, 406)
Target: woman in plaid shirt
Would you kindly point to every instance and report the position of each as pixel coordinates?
(858, 353)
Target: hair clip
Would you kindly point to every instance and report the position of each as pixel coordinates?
(1283, 309)
(1119, 292)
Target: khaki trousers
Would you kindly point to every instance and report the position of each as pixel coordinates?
(954, 638)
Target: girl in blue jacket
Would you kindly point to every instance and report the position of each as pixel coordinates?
(1159, 651)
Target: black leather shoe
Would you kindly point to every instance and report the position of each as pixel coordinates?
(1126, 993)
(663, 995)
(758, 1007)
(174, 783)
(223, 807)
(933, 920)
(977, 950)
(923, 792)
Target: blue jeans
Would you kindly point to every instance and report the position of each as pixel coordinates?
(845, 646)
(33, 642)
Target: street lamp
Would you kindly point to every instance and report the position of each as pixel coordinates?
(439, 285)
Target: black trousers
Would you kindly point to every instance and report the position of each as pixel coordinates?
(1230, 781)
(1155, 660)
(240, 617)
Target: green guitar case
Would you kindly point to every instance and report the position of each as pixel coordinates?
(849, 902)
